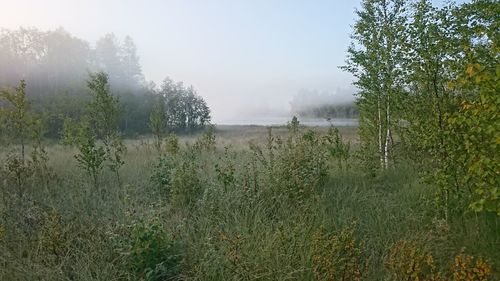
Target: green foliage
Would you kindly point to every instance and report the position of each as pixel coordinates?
(337, 148)
(185, 110)
(375, 59)
(176, 177)
(62, 94)
(52, 238)
(431, 79)
(91, 156)
(172, 144)
(115, 151)
(225, 169)
(16, 173)
(186, 187)
(161, 175)
(100, 124)
(17, 116)
(293, 169)
(475, 149)
(43, 173)
(103, 109)
(158, 122)
(275, 211)
(207, 140)
(256, 228)
(151, 252)
(24, 127)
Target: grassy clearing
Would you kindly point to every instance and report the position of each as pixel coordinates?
(273, 210)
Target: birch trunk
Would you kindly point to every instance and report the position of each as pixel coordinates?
(380, 143)
(388, 135)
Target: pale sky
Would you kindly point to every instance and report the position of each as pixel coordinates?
(243, 57)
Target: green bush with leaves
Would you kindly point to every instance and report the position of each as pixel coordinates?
(337, 148)
(16, 173)
(161, 175)
(96, 135)
(172, 144)
(293, 168)
(476, 148)
(91, 156)
(207, 140)
(158, 122)
(225, 169)
(151, 253)
(17, 116)
(186, 187)
(300, 166)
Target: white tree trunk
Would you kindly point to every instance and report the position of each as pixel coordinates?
(388, 135)
(380, 138)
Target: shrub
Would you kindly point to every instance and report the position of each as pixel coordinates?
(16, 172)
(151, 252)
(407, 260)
(465, 269)
(225, 170)
(337, 256)
(291, 169)
(52, 238)
(337, 148)
(185, 186)
(207, 140)
(172, 144)
(299, 167)
(161, 176)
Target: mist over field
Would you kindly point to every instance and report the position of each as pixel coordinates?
(255, 66)
(250, 140)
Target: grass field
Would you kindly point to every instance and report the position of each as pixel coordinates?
(250, 208)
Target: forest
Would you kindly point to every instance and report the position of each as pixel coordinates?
(56, 65)
(104, 176)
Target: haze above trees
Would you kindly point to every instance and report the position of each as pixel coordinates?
(56, 66)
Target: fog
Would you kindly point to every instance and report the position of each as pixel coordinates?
(246, 58)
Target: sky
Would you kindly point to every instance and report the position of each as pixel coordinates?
(246, 58)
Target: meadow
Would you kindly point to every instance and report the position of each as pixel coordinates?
(237, 203)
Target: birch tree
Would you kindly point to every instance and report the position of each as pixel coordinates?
(374, 58)
(17, 114)
(158, 122)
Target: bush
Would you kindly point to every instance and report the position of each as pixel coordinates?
(300, 167)
(185, 187)
(161, 175)
(16, 172)
(151, 252)
(337, 148)
(207, 140)
(408, 260)
(337, 256)
(172, 144)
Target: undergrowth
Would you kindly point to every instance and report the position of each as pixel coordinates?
(296, 206)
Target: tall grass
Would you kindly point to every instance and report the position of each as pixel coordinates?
(279, 209)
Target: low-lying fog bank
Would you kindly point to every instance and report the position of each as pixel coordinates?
(277, 121)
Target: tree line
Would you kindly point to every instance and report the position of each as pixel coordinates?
(311, 103)
(329, 111)
(55, 67)
(428, 90)
(54, 61)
